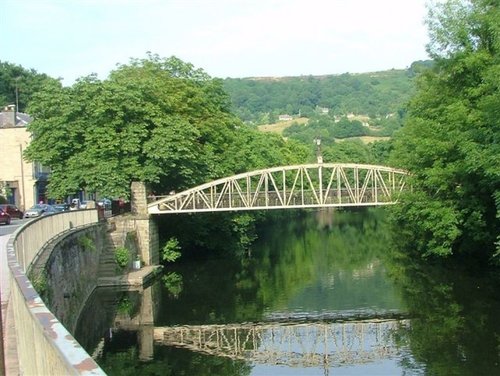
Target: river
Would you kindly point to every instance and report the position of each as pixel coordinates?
(320, 293)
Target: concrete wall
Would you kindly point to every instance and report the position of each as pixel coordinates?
(43, 345)
(50, 249)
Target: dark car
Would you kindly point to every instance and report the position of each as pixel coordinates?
(50, 210)
(61, 207)
(13, 210)
(4, 217)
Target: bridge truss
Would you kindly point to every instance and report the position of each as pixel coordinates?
(301, 186)
(319, 344)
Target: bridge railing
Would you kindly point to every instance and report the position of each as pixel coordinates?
(44, 346)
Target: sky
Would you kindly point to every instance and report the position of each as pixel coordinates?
(69, 39)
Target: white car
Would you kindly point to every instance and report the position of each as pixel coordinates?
(36, 211)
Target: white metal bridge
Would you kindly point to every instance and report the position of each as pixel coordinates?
(300, 186)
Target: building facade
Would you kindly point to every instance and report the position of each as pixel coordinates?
(22, 183)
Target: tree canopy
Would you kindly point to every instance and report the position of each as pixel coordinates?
(451, 140)
(260, 100)
(25, 81)
(155, 120)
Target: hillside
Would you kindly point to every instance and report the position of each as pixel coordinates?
(259, 100)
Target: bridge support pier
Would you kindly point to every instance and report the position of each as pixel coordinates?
(146, 228)
(146, 331)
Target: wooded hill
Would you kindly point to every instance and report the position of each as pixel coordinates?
(260, 100)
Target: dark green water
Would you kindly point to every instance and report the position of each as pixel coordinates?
(319, 294)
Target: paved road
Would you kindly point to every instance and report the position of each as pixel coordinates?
(9, 229)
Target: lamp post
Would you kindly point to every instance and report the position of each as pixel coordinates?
(319, 157)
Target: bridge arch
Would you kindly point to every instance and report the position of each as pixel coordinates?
(298, 186)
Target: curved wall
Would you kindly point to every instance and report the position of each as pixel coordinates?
(44, 345)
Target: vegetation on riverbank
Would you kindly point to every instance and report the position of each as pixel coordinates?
(451, 138)
(166, 123)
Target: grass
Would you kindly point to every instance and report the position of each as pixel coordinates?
(280, 126)
(364, 139)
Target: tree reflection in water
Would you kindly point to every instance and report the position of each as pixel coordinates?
(306, 271)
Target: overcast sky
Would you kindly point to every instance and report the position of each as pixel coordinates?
(226, 38)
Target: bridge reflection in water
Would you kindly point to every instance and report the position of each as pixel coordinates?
(327, 340)
(316, 344)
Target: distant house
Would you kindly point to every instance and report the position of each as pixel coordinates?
(323, 110)
(285, 117)
(23, 183)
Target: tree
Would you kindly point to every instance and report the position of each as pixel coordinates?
(451, 140)
(349, 151)
(17, 84)
(156, 120)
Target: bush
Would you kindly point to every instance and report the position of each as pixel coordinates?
(122, 257)
(171, 250)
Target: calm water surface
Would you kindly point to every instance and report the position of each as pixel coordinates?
(318, 295)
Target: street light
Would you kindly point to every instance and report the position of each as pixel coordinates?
(319, 157)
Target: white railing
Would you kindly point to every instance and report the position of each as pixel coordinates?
(44, 346)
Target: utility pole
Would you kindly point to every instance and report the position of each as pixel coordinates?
(17, 95)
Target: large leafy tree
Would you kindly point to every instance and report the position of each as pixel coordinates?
(155, 120)
(17, 84)
(451, 140)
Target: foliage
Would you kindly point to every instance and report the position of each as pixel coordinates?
(293, 254)
(40, 283)
(86, 243)
(167, 361)
(375, 94)
(450, 141)
(154, 120)
(172, 282)
(352, 151)
(122, 257)
(125, 306)
(244, 226)
(329, 129)
(454, 309)
(171, 250)
(27, 81)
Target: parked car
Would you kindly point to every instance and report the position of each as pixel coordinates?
(61, 207)
(13, 210)
(36, 211)
(50, 210)
(4, 217)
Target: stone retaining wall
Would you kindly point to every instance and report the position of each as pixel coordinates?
(69, 272)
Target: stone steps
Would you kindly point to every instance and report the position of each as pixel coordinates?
(107, 263)
(116, 234)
